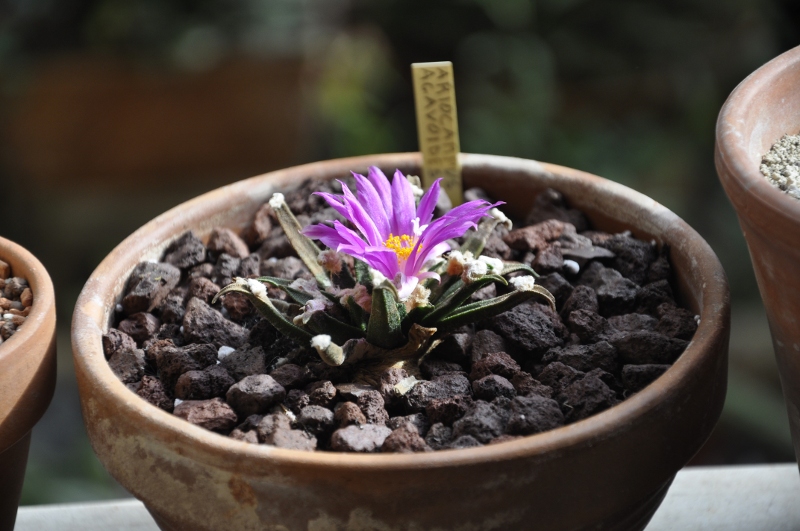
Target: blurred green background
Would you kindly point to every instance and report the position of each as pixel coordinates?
(113, 111)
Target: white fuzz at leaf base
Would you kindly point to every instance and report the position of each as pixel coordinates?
(525, 283)
(277, 200)
(257, 288)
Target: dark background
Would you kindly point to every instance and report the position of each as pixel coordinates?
(113, 111)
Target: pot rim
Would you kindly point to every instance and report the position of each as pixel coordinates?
(732, 149)
(90, 322)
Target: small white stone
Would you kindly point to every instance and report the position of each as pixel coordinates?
(118, 308)
(277, 200)
(178, 402)
(7, 316)
(525, 283)
(181, 329)
(697, 319)
(572, 266)
(405, 385)
(224, 351)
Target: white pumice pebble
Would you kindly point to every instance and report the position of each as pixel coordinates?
(178, 402)
(572, 266)
(7, 316)
(224, 351)
(697, 319)
(181, 330)
(118, 308)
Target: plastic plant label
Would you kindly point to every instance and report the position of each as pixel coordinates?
(437, 126)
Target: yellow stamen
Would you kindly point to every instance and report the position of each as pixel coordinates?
(401, 245)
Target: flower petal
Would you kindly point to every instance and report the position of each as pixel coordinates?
(370, 199)
(428, 203)
(402, 204)
(333, 201)
(359, 217)
(334, 237)
(382, 186)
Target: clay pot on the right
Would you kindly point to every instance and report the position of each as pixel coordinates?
(763, 108)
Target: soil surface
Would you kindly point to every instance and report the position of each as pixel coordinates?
(526, 371)
(781, 165)
(16, 300)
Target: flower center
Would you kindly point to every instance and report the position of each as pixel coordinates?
(401, 245)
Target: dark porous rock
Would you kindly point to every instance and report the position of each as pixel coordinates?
(526, 385)
(454, 348)
(250, 266)
(14, 286)
(203, 270)
(289, 267)
(263, 334)
(490, 387)
(582, 298)
(448, 410)
(266, 425)
(172, 308)
(321, 393)
(464, 441)
(148, 285)
(588, 325)
(550, 204)
(296, 399)
(371, 404)
(439, 436)
(347, 414)
(203, 289)
(659, 270)
(637, 377)
(528, 330)
(237, 305)
(140, 326)
(250, 423)
(496, 248)
(533, 414)
(291, 440)
(486, 342)
(153, 391)
(391, 377)
(320, 370)
(172, 361)
(115, 341)
(201, 385)
(445, 386)
(363, 439)
(652, 295)
(259, 229)
(213, 414)
(276, 245)
(185, 252)
(631, 322)
(483, 422)
(204, 324)
(644, 348)
(291, 376)
(548, 259)
(316, 420)
(405, 440)
(633, 257)
(255, 394)
(432, 367)
(584, 358)
(586, 397)
(351, 391)
(558, 286)
(557, 376)
(244, 436)
(535, 237)
(128, 364)
(676, 322)
(419, 420)
(244, 362)
(222, 240)
(225, 269)
(615, 293)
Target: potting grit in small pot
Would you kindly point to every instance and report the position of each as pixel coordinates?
(781, 165)
(413, 327)
(16, 300)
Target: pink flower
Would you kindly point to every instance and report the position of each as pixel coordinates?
(394, 236)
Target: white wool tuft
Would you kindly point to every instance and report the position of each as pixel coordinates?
(321, 342)
(257, 288)
(277, 200)
(495, 264)
(525, 283)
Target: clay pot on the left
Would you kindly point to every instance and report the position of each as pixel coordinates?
(27, 377)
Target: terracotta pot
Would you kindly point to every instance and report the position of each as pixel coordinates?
(27, 377)
(607, 472)
(762, 109)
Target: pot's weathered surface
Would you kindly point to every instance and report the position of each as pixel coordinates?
(27, 377)
(606, 472)
(762, 109)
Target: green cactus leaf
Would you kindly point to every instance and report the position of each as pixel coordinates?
(269, 311)
(306, 249)
(475, 240)
(358, 315)
(480, 310)
(452, 303)
(363, 276)
(299, 296)
(384, 326)
(513, 267)
(321, 322)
